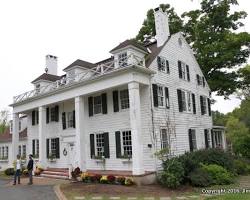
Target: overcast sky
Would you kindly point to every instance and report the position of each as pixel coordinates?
(72, 29)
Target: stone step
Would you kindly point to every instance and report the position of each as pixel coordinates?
(55, 173)
(54, 176)
(58, 169)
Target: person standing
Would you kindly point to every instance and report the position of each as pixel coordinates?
(17, 168)
(30, 169)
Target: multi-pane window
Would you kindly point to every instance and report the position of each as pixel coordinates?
(24, 151)
(189, 104)
(183, 70)
(163, 64)
(7, 152)
(4, 153)
(123, 59)
(124, 98)
(198, 77)
(37, 148)
(53, 114)
(53, 147)
(127, 143)
(160, 96)
(97, 104)
(217, 135)
(70, 119)
(164, 139)
(203, 102)
(100, 144)
(192, 140)
(183, 100)
(20, 150)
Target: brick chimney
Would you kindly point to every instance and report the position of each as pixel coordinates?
(161, 26)
(51, 64)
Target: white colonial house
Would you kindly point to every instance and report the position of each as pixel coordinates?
(114, 114)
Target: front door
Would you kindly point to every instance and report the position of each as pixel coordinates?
(71, 154)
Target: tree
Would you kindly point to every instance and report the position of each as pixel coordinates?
(244, 74)
(219, 119)
(3, 120)
(239, 135)
(213, 33)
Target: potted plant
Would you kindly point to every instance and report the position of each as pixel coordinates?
(127, 158)
(52, 158)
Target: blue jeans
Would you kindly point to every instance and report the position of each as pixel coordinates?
(17, 175)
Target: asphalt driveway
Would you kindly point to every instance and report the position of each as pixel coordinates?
(26, 192)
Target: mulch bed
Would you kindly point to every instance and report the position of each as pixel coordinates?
(84, 189)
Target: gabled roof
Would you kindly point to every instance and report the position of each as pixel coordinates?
(131, 42)
(7, 136)
(47, 77)
(80, 63)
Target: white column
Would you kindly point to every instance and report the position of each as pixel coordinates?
(135, 123)
(80, 146)
(42, 139)
(15, 137)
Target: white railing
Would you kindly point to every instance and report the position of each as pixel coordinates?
(98, 70)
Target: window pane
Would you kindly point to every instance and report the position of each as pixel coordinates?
(124, 98)
(127, 143)
(100, 144)
(97, 104)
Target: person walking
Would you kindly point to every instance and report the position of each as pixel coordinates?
(30, 169)
(17, 169)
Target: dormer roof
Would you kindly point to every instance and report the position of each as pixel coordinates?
(80, 63)
(127, 43)
(47, 77)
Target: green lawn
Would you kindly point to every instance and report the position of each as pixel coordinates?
(241, 196)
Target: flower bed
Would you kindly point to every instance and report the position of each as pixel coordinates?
(106, 179)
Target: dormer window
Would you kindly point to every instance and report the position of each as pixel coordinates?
(123, 59)
(38, 88)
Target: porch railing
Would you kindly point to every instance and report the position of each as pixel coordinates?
(98, 70)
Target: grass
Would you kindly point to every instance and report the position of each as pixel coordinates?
(240, 196)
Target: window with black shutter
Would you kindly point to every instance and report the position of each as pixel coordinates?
(33, 147)
(56, 113)
(74, 118)
(192, 139)
(194, 103)
(104, 103)
(116, 101)
(198, 78)
(64, 120)
(207, 138)
(209, 106)
(33, 117)
(92, 145)
(57, 147)
(155, 94)
(180, 69)
(188, 74)
(106, 145)
(203, 81)
(118, 144)
(90, 102)
(47, 148)
(47, 115)
(37, 117)
(179, 95)
(203, 105)
(162, 64)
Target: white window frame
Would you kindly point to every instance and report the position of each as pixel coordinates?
(20, 150)
(184, 100)
(218, 139)
(205, 105)
(160, 93)
(126, 144)
(52, 144)
(95, 105)
(123, 59)
(194, 139)
(189, 101)
(165, 139)
(163, 65)
(24, 150)
(183, 71)
(99, 144)
(70, 119)
(124, 102)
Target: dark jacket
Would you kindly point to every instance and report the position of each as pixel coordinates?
(30, 164)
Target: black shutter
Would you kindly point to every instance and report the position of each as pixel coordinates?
(209, 106)
(47, 115)
(57, 148)
(155, 94)
(167, 66)
(90, 100)
(188, 74)
(198, 79)
(64, 120)
(206, 138)
(191, 146)
(180, 100)
(167, 98)
(180, 69)
(104, 104)
(203, 81)
(92, 145)
(202, 105)
(118, 144)
(37, 117)
(194, 103)
(47, 147)
(33, 117)
(33, 147)
(116, 101)
(106, 145)
(159, 63)
(56, 113)
(74, 119)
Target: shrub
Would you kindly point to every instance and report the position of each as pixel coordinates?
(111, 178)
(169, 179)
(241, 167)
(129, 181)
(85, 177)
(104, 179)
(120, 180)
(200, 178)
(9, 171)
(219, 174)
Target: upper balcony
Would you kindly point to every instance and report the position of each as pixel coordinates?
(98, 70)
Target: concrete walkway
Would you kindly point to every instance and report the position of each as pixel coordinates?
(41, 190)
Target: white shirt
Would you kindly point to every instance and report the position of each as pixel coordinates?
(18, 164)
